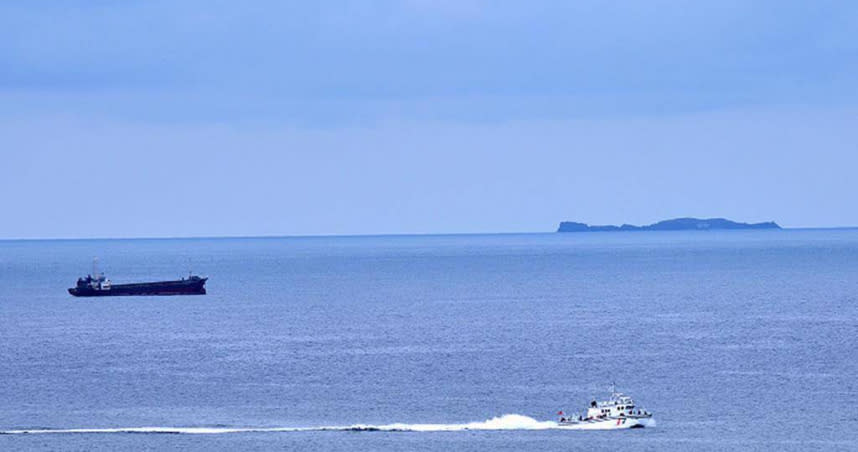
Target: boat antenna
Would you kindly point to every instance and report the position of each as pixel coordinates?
(95, 267)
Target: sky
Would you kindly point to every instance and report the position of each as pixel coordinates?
(221, 118)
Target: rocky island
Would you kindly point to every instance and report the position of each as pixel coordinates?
(676, 224)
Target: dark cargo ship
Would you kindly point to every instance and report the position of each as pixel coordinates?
(98, 286)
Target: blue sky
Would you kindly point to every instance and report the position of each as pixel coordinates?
(129, 119)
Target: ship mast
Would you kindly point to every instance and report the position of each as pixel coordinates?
(96, 276)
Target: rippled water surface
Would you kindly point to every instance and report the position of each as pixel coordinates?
(733, 339)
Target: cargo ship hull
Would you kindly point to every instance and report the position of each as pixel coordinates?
(192, 286)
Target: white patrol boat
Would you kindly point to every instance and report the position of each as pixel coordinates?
(620, 412)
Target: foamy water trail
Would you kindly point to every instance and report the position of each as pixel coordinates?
(506, 422)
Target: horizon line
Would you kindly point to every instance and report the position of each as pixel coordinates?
(367, 235)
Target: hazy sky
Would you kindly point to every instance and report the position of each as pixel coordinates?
(175, 118)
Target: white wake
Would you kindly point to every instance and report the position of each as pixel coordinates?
(505, 422)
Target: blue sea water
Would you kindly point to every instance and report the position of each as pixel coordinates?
(734, 339)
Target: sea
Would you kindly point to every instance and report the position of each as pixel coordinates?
(735, 340)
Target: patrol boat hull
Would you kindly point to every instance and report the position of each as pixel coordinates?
(609, 424)
(191, 286)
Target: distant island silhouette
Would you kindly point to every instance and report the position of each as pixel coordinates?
(676, 224)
